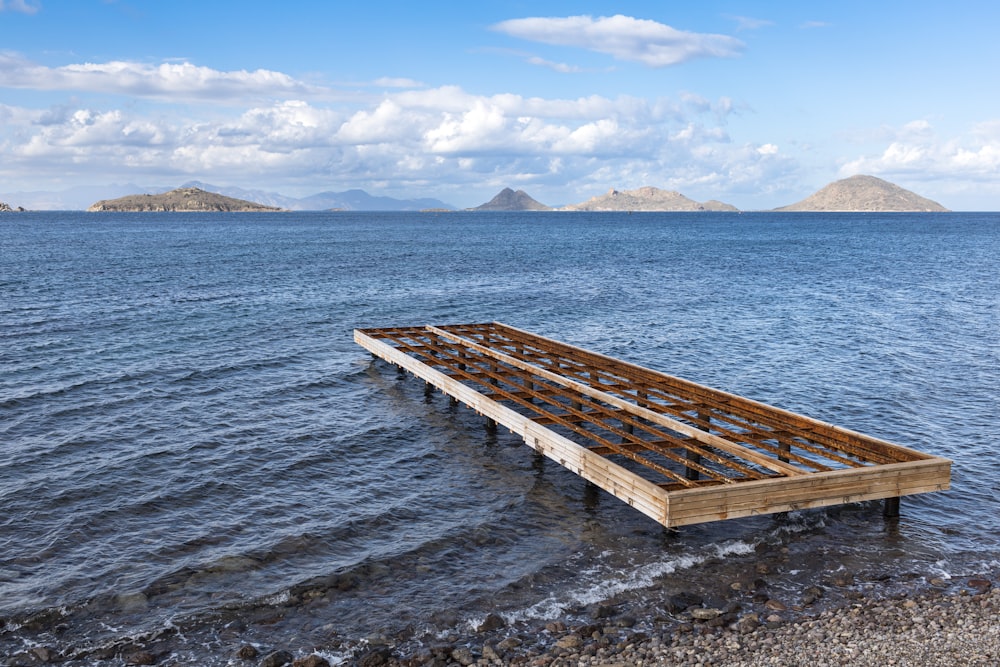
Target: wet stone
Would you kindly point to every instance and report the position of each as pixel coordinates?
(140, 658)
(705, 613)
(599, 611)
(311, 661)
(276, 659)
(570, 641)
(491, 622)
(246, 652)
(683, 602)
(374, 658)
(463, 656)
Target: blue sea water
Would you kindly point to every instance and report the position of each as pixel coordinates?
(195, 454)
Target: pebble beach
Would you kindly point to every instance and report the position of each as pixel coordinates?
(946, 623)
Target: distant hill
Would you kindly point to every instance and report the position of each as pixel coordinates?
(647, 199)
(508, 200)
(81, 197)
(181, 199)
(864, 193)
(359, 200)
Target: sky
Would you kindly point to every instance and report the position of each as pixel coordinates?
(757, 104)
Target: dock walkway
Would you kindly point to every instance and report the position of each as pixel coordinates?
(679, 452)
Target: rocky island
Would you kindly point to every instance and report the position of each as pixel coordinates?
(647, 199)
(508, 200)
(6, 208)
(180, 200)
(864, 193)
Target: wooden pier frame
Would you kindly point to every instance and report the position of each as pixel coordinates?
(677, 451)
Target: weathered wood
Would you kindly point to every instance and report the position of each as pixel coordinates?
(679, 452)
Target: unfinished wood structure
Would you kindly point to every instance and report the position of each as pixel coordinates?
(677, 451)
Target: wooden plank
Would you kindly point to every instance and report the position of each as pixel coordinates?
(581, 391)
(732, 401)
(819, 490)
(632, 408)
(640, 493)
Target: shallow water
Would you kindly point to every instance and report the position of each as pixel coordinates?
(192, 445)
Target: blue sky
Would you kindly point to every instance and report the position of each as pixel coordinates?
(757, 104)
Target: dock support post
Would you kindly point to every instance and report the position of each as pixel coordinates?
(891, 508)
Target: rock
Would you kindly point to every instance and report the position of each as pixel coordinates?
(375, 657)
(492, 622)
(570, 641)
(843, 579)
(140, 658)
(555, 627)
(509, 644)
(748, 624)
(463, 656)
(683, 602)
(43, 654)
(981, 585)
(705, 613)
(246, 652)
(811, 594)
(311, 661)
(277, 659)
(599, 611)
(775, 605)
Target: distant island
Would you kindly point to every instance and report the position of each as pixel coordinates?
(854, 194)
(180, 200)
(508, 200)
(864, 193)
(646, 199)
(6, 208)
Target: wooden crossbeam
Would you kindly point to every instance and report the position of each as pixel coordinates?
(702, 454)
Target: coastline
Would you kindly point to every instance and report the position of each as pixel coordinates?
(935, 622)
(935, 625)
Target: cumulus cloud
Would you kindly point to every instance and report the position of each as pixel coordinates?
(443, 138)
(624, 38)
(915, 150)
(174, 81)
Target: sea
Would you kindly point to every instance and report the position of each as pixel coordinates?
(195, 455)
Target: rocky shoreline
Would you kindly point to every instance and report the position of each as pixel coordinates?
(940, 625)
(919, 620)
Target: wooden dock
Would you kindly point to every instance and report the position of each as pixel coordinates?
(677, 451)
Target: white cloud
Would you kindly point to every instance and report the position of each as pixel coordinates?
(624, 38)
(558, 67)
(397, 82)
(749, 23)
(917, 151)
(443, 140)
(173, 81)
(22, 6)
